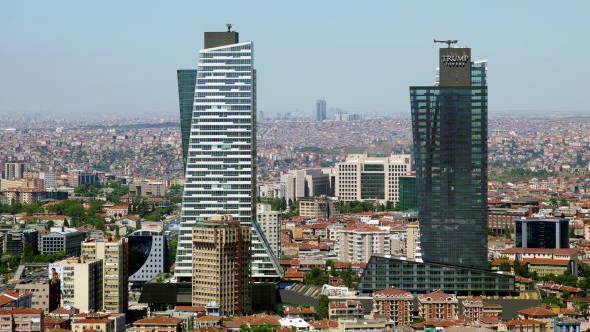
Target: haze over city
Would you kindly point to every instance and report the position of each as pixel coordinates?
(118, 59)
(224, 166)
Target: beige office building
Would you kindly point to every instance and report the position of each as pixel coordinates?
(221, 265)
(113, 253)
(81, 283)
(361, 178)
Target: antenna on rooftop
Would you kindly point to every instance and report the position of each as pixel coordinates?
(228, 25)
(448, 42)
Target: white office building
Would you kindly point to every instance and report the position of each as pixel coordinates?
(361, 177)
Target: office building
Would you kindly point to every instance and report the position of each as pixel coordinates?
(449, 124)
(77, 178)
(68, 240)
(187, 79)
(46, 293)
(270, 222)
(408, 198)
(362, 178)
(221, 260)
(14, 170)
(320, 110)
(113, 254)
(148, 255)
(148, 188)
(438, 305)
(541, 233)
(419, 277)
(15, 242)
(395, 304)
(305, 183)
(80, 283)
(221, 167)
(50, 180)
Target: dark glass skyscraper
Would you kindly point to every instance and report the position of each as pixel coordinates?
(186, 97)
(449, 122)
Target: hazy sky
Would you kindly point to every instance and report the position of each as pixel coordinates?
(88, 57)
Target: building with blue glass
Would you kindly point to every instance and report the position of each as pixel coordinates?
(186, 97)
(449, 124)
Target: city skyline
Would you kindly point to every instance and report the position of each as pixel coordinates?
(132, 71)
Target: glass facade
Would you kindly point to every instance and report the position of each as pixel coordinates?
(220, 176)
(450, 135)
(537, 233)
(408, 199)
(186, 96)
(373, 185)
(421, 278)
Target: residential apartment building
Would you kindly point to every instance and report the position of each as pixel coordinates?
(412, 240)
(438, 305)
(473, 309)
(46, 293)
(361, 178)
(319, 207)
(68, 240)
(81, 283)
(358, 243)
(349, 309)
(113, 254)
(395, 304)
(21, 320)
(93, 324)
(221, 260)
(270, 222)
(158, 324)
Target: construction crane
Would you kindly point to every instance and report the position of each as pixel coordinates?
(448, 42)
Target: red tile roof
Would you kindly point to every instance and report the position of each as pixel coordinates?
(520, 322)
(559, 251)
(300, 311)
(392, 292)
(437, 296)
(189, 308)
(536, 312)
(158, 320)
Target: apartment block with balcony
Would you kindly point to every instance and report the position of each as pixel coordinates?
(113, 254)
(395, 304)
(221, 260)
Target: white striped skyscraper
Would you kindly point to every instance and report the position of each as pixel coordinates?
(220, 174)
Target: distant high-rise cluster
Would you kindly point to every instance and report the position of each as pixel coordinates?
(320, 110)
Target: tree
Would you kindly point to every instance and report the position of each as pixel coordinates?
(323, 307)
(505, 266)
(581, 307)
(316, 277)
(563, 202)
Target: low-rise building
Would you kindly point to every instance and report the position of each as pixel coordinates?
(67, 240)
(539, 314)
(438, 305)
(21, 320)
(525, 325)
(14, 299)
(394, 304)
(158, 324)
(349, 309)
(45, 293)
